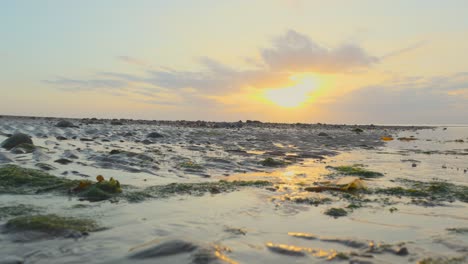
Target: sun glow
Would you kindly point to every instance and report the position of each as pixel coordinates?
(296, 95)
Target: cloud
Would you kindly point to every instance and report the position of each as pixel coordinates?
(291, 52)
(132, 60)
(404, 50)
(416, 100)
(297, 52)
(91, 84)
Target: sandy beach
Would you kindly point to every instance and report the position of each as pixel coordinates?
(242, 192)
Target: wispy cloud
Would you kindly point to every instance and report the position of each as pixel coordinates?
(91, 84)
(405, 49)
(289, 53)
(411, 100)
(132, 60)
(297, 52)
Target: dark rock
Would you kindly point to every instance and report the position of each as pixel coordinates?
(11, 260)
(359, 261)
(323, 134)
(4, 159)
(403, 251)
(147, 142)
(165, 249)
(64, 161)
(115, 151)
(86, 139)
(310, 155)
(61, 138)
(65, 123)
(205, 256)
(45, 166)
(154, 135)
(16, 140)
(24, 148)
(70, 154)
(357, 130)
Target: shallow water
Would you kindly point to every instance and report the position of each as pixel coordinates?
(263, 217)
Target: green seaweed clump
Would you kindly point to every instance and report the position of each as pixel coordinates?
(428, 193)
(357, 170)
(190, 165)
(357, 130)
(18, 180)
(17, 210)
(99, 191)
(311, 200)
(198, 189)
(270, 162)
(459, 230)
(51, 224)
(336, 212)
(443, 260)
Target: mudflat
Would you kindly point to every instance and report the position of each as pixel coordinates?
(136, 191)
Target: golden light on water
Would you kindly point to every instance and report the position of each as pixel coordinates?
(296, 95)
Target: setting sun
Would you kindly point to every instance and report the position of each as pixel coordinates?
(295, 95)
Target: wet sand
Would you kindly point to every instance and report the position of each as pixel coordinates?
(278, 223)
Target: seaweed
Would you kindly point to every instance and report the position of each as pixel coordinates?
(51, 224)
(311, 200)
(427, 193)
(443, 260)
(17, 210)
(18, 180)
(270, 162)
(356, 170)
(199, 189)
(336, 212)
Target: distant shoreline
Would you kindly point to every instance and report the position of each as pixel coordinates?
(225, 123)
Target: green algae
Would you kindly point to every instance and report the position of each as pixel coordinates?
(357, 130)
(99, 191)
(18, 180)
(270, 162)
(356, 170)
(17, 210)
(51, 224)
(443, 260)
(341, 256)
(458, 230)
(311, 200)
(198, 189)
(427, 193)
(136, 196)
(190, 165)
(336, 212)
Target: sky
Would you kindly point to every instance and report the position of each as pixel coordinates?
(351, 62)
